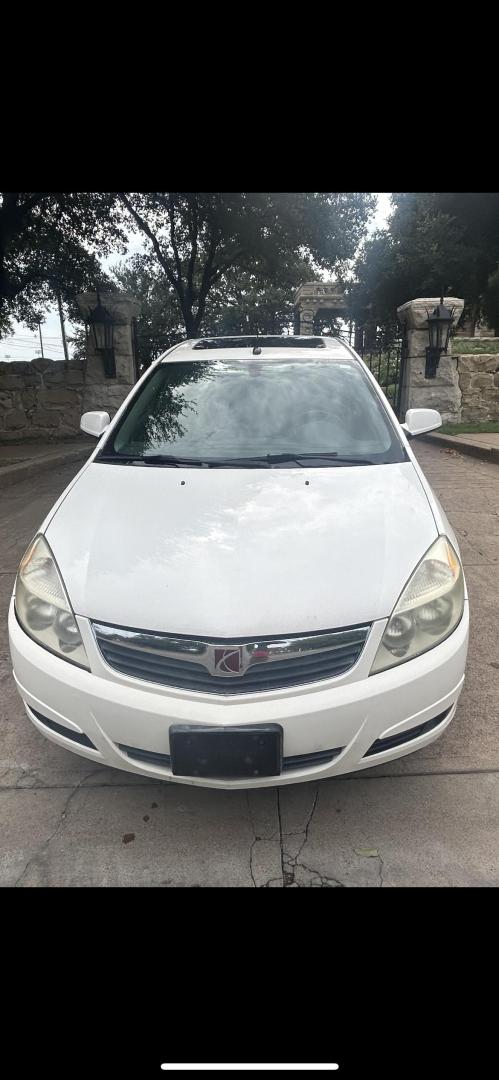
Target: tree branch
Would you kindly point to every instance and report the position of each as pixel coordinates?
(144, 227)
(178, 264)
(193, 237)
(222, 267)
(206, 280)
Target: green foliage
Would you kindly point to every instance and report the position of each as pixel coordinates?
(216, 262)
(471, 346)
(491, 301)
(49, 241)
(77, 340)
(469, 429)
(249, 301)
(197, 238)
(242, 302)
(160, 324)
(437, 243)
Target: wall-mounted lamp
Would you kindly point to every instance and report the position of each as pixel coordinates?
(439, 328)
(101, 324)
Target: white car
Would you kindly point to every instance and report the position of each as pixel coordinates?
(250, 582)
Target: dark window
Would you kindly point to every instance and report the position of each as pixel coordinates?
(218, 410)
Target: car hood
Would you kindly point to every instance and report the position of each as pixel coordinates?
(240, 552)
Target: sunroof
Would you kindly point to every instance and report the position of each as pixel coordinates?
(286, 341)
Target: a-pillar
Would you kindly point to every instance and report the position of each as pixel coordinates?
(418, 392)
(100, 391)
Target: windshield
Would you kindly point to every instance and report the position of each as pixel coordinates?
(301, 412)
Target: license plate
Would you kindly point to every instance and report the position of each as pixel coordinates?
(229, 753)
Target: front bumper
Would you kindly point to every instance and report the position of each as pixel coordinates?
(351, 711)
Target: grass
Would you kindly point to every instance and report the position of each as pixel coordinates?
(470, 428)
(467, 346)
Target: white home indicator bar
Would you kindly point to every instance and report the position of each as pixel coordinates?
(250, 1067)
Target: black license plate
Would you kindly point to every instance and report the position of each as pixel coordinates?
(229, 753)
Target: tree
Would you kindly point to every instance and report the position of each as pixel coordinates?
(249, 301)
(242, 302)
(159, 325)
(196, 238)
(437, 243)
(48, 243)
(491, 302)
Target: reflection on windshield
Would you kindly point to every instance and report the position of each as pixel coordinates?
(160, 416)
(243, 408)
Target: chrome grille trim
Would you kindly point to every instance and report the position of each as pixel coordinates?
(265, 664)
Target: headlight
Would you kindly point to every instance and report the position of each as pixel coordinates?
(42, 605)
(428, 610)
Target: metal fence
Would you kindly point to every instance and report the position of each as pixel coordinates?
(384, 356)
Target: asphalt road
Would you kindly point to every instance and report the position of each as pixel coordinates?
(431, 818)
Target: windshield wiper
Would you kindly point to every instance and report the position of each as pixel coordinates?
(264, 461)
(332, 458)
(130, 459)
(239, 463)
(168, 460)
(206, 463)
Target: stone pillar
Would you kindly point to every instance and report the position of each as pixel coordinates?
(100, 392)
(307, 316)
(443, 392)
(316, 296)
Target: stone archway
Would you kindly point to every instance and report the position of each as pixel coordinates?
(316, 297)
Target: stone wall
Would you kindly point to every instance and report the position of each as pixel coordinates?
(44, 399)
(40, 399)
(479, 385)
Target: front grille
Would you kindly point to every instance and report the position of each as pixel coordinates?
(289, 764)
(270, 663)
(307, 761)
(406, 736)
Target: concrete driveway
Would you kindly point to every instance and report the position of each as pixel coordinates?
(431, 818)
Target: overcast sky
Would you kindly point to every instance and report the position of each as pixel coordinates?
(24, 345)
(382, 211)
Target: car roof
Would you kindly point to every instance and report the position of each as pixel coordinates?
(271, 347)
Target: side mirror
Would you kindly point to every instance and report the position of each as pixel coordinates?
(418, 421)
(95, 423)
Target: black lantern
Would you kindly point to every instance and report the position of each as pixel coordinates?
(439, 328)
(101, 323)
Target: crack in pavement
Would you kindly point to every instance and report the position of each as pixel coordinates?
(381, 868)
(372, 854)
(317, 880)
(25, 774)
(258, 839)
(40, 784)
(41, 853)
(293, 867)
